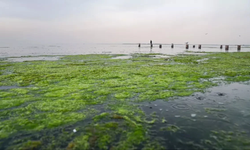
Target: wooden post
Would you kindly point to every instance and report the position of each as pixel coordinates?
(160, 46)
(238, 47)
(199, 47)
(151, 43)
(221, 46)
(139, 45)
(187, 46)
(227, 47)
(193, 46)
(172, 45)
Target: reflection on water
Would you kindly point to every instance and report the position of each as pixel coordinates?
(74, 49)
(225, 108)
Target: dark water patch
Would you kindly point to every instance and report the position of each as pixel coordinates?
(221, 94)
(222, 108)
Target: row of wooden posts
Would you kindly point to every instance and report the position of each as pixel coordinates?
(199, 46)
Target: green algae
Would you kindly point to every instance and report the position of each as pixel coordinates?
(101, 116)
(211, 110)
(37, 122)
(170, 128)
(101, 135)
(30, 145)
(72, 89)
(229, 140)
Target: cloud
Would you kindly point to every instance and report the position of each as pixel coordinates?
(124, 20)
(43, 10)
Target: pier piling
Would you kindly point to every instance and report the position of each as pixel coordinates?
(199, 47)
(238, 47)
(151, 43)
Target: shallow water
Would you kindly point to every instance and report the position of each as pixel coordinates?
(22, 59)
(122, 57)
(7, 87)
(226, 107)
(74, 49)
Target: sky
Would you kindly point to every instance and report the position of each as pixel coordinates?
(125, 21)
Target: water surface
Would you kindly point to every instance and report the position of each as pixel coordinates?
(75, 49)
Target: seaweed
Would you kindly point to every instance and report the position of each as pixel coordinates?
(106, 93)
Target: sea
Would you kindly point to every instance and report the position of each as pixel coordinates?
(113, 48)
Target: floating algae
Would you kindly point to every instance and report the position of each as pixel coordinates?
(101, 98)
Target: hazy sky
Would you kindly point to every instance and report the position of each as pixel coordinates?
(111, 21)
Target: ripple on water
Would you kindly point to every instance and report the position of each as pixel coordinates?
(181, 106)
(222, 116)
(200, 98)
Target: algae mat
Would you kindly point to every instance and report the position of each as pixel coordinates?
(96, 102)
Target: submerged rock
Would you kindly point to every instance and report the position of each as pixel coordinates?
(221, 94)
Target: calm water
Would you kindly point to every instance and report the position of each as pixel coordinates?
(74, 49)
(222, 108)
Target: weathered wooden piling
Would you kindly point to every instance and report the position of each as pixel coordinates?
(187, 46)
(139, 45)
(227, 47)
(160, 46)
(151, 43)
(238, 47)
(221, 46)
(193, 46)
(172, 45)
(199, 46)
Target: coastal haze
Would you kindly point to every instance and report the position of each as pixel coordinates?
(33, 23)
